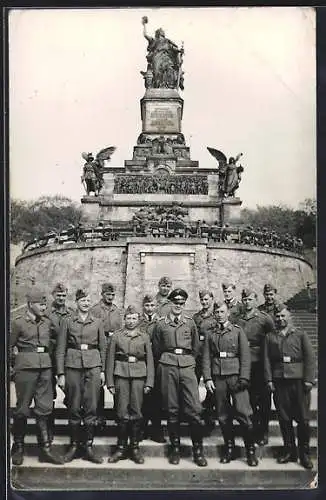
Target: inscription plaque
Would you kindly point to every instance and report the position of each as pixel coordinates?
(161, 117)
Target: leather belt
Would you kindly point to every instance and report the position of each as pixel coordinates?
(179, 350)
(288, 359)
(39, 348)
(83, 347)
(127, 357)
(223, 354)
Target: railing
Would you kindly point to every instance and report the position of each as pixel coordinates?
(168, 229)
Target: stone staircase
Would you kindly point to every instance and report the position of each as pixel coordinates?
(156, 472)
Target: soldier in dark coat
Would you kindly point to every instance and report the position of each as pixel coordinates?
(129, 374)
(234, 305)
(163, 304)
(226, 368)
(31, 339)
(205, 321)
(152, 407)
(256, 324)
(56, 312)
(111, 317)
(271, 304)
(175, 345)
(80, 353)
(290, 375)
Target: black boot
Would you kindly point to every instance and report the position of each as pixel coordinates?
(289, 452)
(174, 435)
(303, 445)
(90, 454)
(121, 452)
(196, 431)
(157, 433)
(135, 453)
(262, 439)
(73, 450)
(228, 451)
(19, 431)
(250, 447)
(46, 454)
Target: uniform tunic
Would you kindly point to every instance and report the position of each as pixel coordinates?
(235, 308)
(80, 356)
(32, 365)
(205, 322)
(163, 305)
(226, 359)
(289, 362)
(111, 316)
(176, 347)
(270, 309)
(129, 369)
(256, 324)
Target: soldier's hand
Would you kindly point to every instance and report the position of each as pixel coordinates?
(61, 381)
(102, 379)
(112, 390)
(308, 386)
(210, 386)
(12, 373)
(147, 389)
(271, 386)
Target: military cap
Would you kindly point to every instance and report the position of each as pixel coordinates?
(228, 284)
(268, 287)
(81, 293)
(108, 287)
(148, 298)
(204, 292)
(279, 306)
(36, 295)
(165, 280)
(131, 310)
(218, 303)
(246, 292)
(59, 287)
(178, 293)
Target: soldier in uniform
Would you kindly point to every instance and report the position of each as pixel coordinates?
(152, 407)
(256, 324)
(31, 338)
(111, 317)
(205, 322)
(56, 313)
(271, 303)
(129, 374)
(175, 345)
(163, 304)
(226, 368)
(234, 305)
(80, 353)
(290, 374)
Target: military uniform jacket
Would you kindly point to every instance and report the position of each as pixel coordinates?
(138, 348)
(269, 309)
(168, 336)
(147, 325)
(26, 336)
(226, 352)
(204, 323)
(163, 305)
(75, 332)
(110, 315)
(235, 307)
(289, 356)
(256, 324)
(56, 316)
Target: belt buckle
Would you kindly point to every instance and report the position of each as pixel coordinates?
(178, 351)
(83, 347)
(201, 337)
(40, 349)
(110, 334)
(286, 359)
(222, 354)
(132, 359)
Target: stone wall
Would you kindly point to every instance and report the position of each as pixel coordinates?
(135, 266)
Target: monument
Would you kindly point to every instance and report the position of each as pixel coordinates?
(161, 213)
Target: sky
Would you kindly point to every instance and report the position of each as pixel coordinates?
(250, 87)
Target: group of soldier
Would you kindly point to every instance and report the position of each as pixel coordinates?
(152, 362)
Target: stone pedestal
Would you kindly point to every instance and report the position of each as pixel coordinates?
(161, 111)
(230, 211)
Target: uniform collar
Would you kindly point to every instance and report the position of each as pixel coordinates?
(146, 317)
(89, 318)
(54, 309)
(29, 316)
(250, 314)
(225, 327)
(231, 302)
(135, 330)
(106, 306)
(288, 331)
(170, 319)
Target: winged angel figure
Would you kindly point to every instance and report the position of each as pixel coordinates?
(229, 172)
(92, 177)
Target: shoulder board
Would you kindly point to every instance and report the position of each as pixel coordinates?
(187, 317)
(20, 316)
(237, 326)
(264, 313)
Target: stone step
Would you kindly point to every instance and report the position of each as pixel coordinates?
(212, 447)
(157, 473)
(61, 428)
